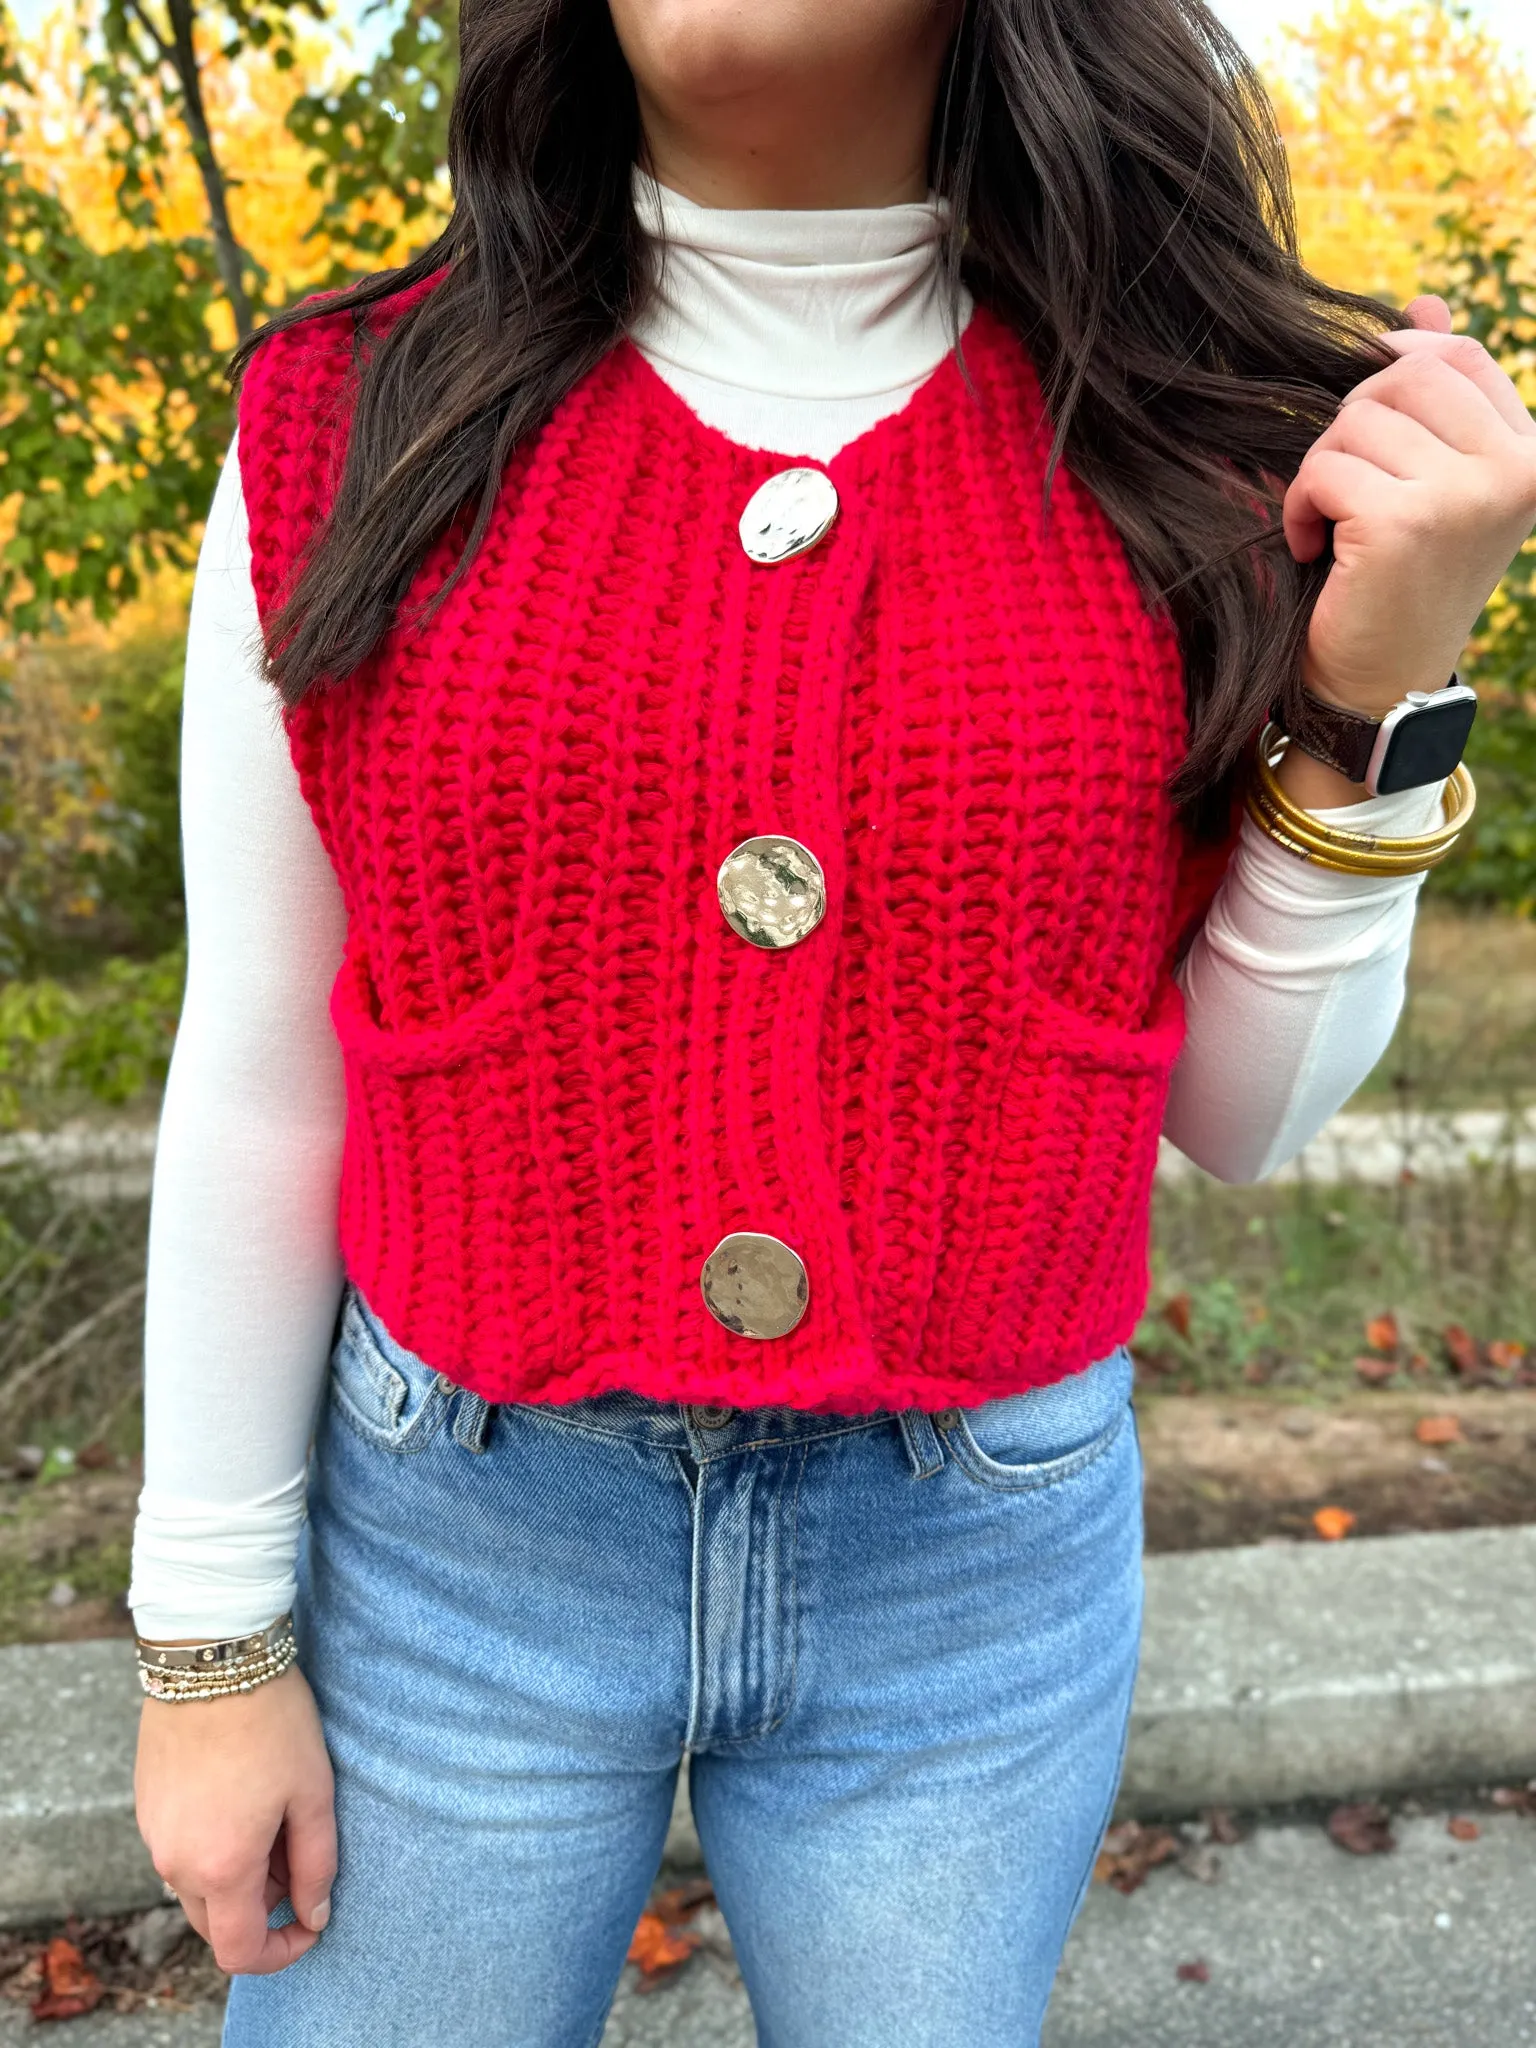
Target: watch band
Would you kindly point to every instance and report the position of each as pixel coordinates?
(1342, 739)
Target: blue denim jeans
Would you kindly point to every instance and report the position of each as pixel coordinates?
(899, 1657)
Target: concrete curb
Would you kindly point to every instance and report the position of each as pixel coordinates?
(1320, 1670)
(68, 1844)
(1267, 1675)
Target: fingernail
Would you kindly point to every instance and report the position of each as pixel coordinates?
(320, 1915)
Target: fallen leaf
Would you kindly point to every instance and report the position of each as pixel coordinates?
(1130, 1851)
(682, 1901)
(1438, 1429)
(1506, 1357)
(1381, 1333)
(1221, 1827)
(1376, 1371)
(1194, 1973)
(1418, 1365)
(1202, 1862)
(658, 1949)
(1332, 1524)
(1463, 1830)
(1461, 1349)
(1176, 1312)
(70, 1987)
(1364, 1830)
(93, 1457)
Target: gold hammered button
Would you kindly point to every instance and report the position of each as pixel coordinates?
(788, 515)
(772, 891)
(755, 1285)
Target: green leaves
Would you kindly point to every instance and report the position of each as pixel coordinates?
(114, 411)
(153, 54)
(1490, 285)
(109, 1040)
(385, 131)
(150, 63)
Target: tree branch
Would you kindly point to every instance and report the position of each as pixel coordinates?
(228, 254)
(162, 48)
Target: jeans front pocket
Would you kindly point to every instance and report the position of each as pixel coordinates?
(1020, 1442)
(385, 1393)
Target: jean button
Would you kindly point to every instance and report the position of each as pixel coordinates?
(711, 1418)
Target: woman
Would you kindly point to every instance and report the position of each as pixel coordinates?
(771, 616)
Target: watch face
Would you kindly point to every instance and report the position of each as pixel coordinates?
(1424, 746)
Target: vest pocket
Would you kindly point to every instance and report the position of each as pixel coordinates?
(385, 1393)
(488, 1024)
(1052, 1228)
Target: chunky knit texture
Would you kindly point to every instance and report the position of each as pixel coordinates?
(568, 1078)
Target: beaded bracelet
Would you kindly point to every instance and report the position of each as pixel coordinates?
(211, 1671)
(1351, 853)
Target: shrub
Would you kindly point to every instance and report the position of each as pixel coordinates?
(108, 1041)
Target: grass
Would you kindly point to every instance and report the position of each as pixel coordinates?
(1274, 1286)
(1467, 1035)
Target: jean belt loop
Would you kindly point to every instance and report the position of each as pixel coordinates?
(471, 1421)
(924, 1451)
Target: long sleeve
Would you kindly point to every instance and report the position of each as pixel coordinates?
(244, 1275)
(1292, 989)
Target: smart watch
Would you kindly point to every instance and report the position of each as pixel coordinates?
(1420, 740)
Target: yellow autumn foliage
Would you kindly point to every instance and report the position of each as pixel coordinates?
(1392, 115)
(1392, 111)
(272, 205)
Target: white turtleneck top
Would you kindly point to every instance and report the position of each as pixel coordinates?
(791, 331)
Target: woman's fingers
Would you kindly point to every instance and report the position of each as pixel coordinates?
(1330, 488)
(309, 1846)
(235, 1800)
(1463, 359)
(1429, 313)
(1429, 389)
(1397, 443)
(237, 1931)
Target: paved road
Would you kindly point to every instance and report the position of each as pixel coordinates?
(1307, 1947)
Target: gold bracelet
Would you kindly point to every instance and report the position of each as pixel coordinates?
(208, 1671)
(1304, 834)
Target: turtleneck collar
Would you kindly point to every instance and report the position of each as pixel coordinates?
(808, 305)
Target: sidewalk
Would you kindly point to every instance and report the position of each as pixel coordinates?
(1306, 1946)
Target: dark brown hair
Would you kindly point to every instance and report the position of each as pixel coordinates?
(1119, 196)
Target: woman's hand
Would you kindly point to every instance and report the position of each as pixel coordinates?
(237, 1804)
(1428, 474)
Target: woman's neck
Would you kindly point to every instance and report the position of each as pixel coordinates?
(848, 304)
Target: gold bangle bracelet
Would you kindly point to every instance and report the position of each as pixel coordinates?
(205, 1671)
(1354, 854)
(1306, 836)
(1369, 856)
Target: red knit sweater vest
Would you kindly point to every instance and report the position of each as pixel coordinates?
(569, 1077)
